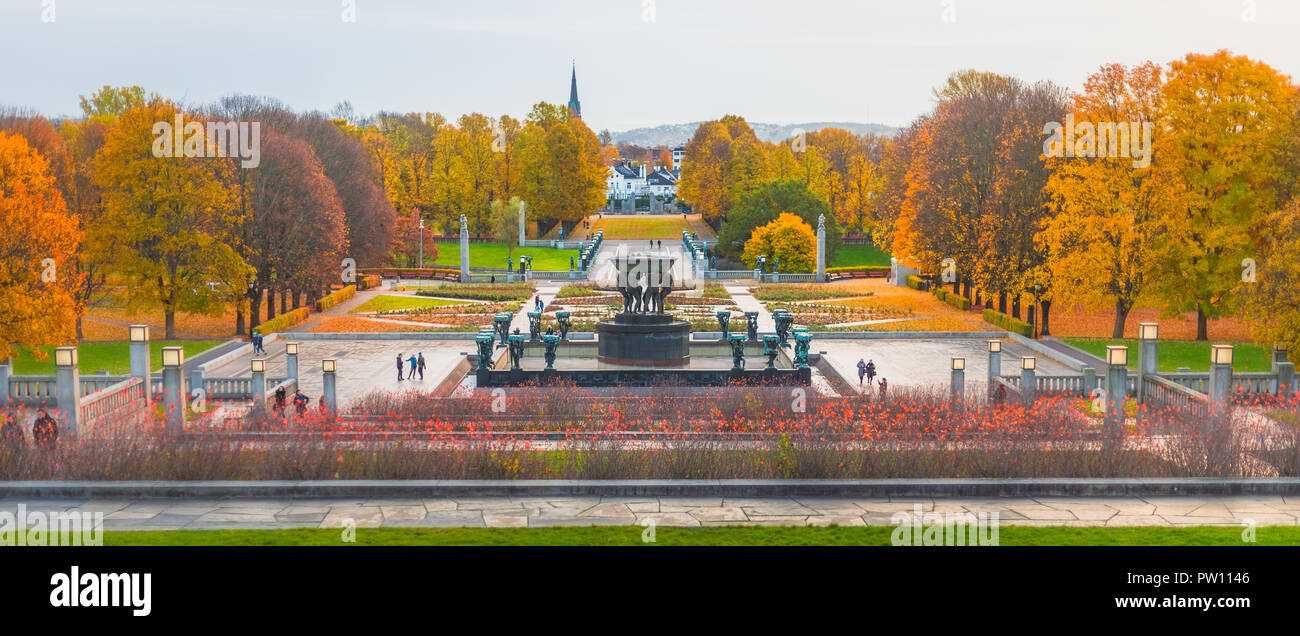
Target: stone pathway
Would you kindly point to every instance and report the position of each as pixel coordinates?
(520, 321)
(519, 512)
(746, 301)
(340, 309)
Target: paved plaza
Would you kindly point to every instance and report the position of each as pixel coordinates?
(363, 365)
(927, 362)
(519, 512)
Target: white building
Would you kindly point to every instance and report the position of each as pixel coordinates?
(626, 181)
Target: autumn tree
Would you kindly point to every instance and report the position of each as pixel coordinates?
(563, 173)
(1108, 212)
(703, 184)
(1271, 303)
(1222, 135)
(787, 242)
(37, 249)
(166, 217)
(368, 214)
(504, 216)
(764, 204)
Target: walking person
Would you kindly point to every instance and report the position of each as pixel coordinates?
(45, 432)
(399, 367)
(862, 370)
(871, 372)
(300, 402)
(420, 365)
(410, 375)
(883, 385)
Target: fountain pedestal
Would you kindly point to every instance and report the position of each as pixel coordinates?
(644, 340)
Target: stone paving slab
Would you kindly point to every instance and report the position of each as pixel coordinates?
(521, 512)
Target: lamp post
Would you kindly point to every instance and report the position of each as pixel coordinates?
(1148, 356)
(328, 368)
(173, 393)
(995, 361)
(958, 380)
(291, 359)
(139, 353)
(1028, 385)
(1220, 375)
(259, 382)
(67, 382)
(421, 243)
(1116, 383)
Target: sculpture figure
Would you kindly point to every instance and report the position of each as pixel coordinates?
(737, 351)
(484, 342)
(516, 351)
(752, 318)
(534, 325)
(769, 349)
(562, 317)
(801, 342)
(552, 342)
(724, 318)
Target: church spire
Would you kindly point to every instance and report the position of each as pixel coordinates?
(575, 107)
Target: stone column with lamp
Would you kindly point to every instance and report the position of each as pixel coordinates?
(139, 355)
(1220, 376)
(328, 368)
(1116, 385)
(67, 385)
(958, 380)
(291, 359)
(173, 390)
(1028, 383)
(258, 385)
(1148, 356)
(995, 364)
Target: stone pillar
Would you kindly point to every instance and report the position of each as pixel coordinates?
(1148, 356)
(291, 359)
(995, 361)
(958, 380)
(139, 352)
(464, 250)
(522, 238)
(6, 370)
(329, 367)
(1116, 384)
(258, 385)
(173, 389)
(196, 378)
(1285, 378)
(1220, 376)
(821, 248)
(1028, 384)
(67, 384)
(1089, 380)
(1279, 356)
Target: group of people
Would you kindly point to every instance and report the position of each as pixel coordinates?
(300, 402)
(45, 431)
(867, 370)
(417, 366)
(257, 343)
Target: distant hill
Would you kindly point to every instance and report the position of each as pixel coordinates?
(678, 134)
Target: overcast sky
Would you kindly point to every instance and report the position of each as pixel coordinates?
(639, 62)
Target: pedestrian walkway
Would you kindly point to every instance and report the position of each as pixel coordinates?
(746, 301)
(531, 512)
(340, 309)
(520, 321)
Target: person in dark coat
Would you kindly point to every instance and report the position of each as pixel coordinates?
(45, 432)
(11, 432)
(419, 365)
(399, 367)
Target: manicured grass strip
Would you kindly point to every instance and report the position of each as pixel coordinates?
(1194, 355)
(388, 302)
(737, 536)
(859, 256)
(111, 356)
(494, 255)
(632, 228)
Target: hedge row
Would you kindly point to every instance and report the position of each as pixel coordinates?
(1007, 322)
(370, 281)
(956, 300)
(283, 321)
(336, 297)
(916, 282)
(860, 268)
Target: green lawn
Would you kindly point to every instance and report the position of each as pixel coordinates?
(111, 356)
(859, 256)
(389, 302)
(494, 255)
(631, 536)
(632, 228)
(1194, 355)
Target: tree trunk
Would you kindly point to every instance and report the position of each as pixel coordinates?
(270, 303)
(297, 298)
(284, 302)
(1202, 326)
(1047, 308)
(1030, 319)
(239, 320)
(80, 336)
(1015, 307)
(254, 309)
(1121, 316)
(1002, 302)
(171, 324)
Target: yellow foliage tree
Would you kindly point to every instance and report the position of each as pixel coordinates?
(787, 239)
(37, 252)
